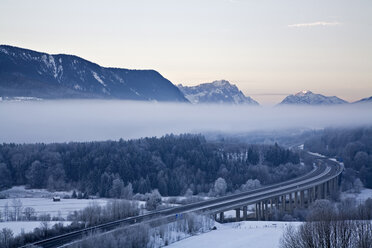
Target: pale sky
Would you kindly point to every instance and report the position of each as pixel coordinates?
(269, 49)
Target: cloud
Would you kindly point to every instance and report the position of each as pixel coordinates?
(59, 121)
(314, 24)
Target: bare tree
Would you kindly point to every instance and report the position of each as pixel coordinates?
(29, 213)
(17, 209)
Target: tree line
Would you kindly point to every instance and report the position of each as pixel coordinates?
(353, 146)
(172, 164)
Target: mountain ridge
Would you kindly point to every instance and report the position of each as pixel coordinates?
(306, 97)
(218, 91)
(28, 73)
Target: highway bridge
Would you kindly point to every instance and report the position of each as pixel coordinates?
(320, 183)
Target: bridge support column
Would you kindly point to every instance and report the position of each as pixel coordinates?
(284, 197)
(237, 214)
(296, 199)
(313, 195)
(325, 190)
(302, 198)
(290, 203)
(320, 191)
(222, 217)
(245, 214)
(277, 203)
(258, 210)
(266, 211)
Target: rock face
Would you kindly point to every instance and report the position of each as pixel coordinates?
(216, 92)
(27, 73)
(309, 98)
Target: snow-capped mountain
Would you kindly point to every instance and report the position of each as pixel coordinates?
(365, 100)
(216, 92)
(309, 98)
(26, 73)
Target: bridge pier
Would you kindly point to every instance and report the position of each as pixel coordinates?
(266, 211)
(237, 214)
(296, 199)
(290, 203)
(222, 217)
(302, 198)
(245, 214)
(320, 191)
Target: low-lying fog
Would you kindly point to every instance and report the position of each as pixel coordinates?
(86, 120)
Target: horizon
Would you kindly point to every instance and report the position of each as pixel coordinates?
(268, 49)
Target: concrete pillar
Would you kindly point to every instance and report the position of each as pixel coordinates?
(296, 199)
(245, 214)
(331, 187)
(313, 198)
(266, 211)
(320, 191)
(290, 203)
(302, 198)
(325, 190)
(259, 211)
(237, 214)
(256, 212)
(222, 217)
(284, 203)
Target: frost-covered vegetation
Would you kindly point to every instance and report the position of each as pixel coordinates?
(94, 214)
(344, 224)
(142, 235)
(353, 146)
(171, 164)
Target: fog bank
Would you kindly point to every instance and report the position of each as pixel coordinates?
(88, 120)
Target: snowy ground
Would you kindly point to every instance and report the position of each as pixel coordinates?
(360, 197)
(26, 226)
(47, 206)
(22, 192)
(247, 234)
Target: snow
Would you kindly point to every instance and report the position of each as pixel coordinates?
(95, 75)
(22, 192)
(46, 205)
(247, 234)
(359, 197)
(77, 87)
(27, 226)
(317, 154)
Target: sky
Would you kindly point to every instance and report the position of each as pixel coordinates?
(269, 49)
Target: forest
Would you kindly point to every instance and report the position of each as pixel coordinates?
(173, 164)
(353, 146)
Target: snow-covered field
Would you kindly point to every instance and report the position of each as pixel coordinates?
(47, 206)
(247, 234)
(22, 192)
(27, 226)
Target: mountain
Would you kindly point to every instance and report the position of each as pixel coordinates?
(309, 98)
(365, 100)
(216, 92)
(27, 73)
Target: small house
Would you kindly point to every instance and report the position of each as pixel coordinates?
(56, 198)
